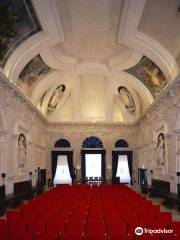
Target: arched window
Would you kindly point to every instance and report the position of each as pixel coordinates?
(121, 143)
(62, 143)
(92, 142)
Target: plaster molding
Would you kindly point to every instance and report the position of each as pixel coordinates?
(131, 37)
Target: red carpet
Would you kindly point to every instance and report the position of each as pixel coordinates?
(81, 212)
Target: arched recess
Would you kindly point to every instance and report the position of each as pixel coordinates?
(62, 146)
(93, 145)
(62, 143)
(21, 127)
(121, 148)
(92, 142)
(121, 143)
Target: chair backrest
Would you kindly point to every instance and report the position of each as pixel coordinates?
(95, 228)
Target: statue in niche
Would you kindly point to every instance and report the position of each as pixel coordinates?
(21, 152)
(161, 151)
(56, 96)
(127, 99)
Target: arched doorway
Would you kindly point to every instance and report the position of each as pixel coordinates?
(93, 157)
(121, 155)
(62, 147)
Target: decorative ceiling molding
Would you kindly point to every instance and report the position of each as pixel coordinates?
(23, 54)
(130, 36)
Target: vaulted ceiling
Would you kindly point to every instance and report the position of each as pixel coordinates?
(93, 60)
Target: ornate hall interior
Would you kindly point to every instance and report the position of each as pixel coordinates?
(82, 77)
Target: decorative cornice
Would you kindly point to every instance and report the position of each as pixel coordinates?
(20, 95)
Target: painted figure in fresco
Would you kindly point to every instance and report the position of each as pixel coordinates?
(21, 152)
(58, 92)
(127, 99)
(155, 77)
(33, 70)
(149, 74)
(161, 150)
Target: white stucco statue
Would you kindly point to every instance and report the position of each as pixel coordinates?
(56, 96)
(161, 152)
(127, 99)
(21, 152)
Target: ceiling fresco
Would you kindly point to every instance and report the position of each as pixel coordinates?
(18, 22)
(150, 74)
(33, 70)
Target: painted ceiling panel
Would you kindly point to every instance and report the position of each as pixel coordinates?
(150, 74)
(35, 68)
(18, 22)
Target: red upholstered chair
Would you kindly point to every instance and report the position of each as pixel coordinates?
(13, 216)
(36, 227)
(95, 230)
(147, 237)
(96, 237)
(147, 217)
(76, 228)
(169, 237)
(3, 229)
(115, 229)
(56, 227)
(176, 227)
(121, 237)
(45, 236)
(17, 227)
(164, 217)
(69, 236)
(23, 236)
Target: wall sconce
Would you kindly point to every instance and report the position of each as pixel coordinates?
(3, 177)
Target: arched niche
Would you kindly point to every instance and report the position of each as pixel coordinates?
(121, 143)
(92, 142)
(62, 143)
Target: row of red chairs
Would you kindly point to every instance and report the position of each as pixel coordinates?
(82, 212)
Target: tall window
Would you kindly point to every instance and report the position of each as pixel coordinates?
(93, 165)
(123, 169)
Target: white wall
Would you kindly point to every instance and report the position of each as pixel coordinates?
(162, 116)
(17, 115)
